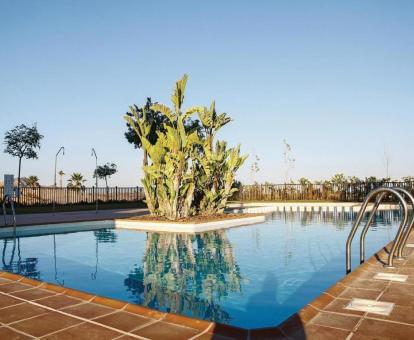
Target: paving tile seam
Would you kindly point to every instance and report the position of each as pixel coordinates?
(103, 315)
(364, 316)
(62, 309)
(17, 330)
(4, 273)
(390, 321)
(55, 295)
(203, 332)
(120, 336)
(362, 288)
(7, 283)
(328, 326)
(75, 305)
(144, 325)
(13, 305)
(25, 319)
(73, 316)
(23, 290)
(180, 325)
(350, 335)
(321, 311)
(62, 330)
(37, 299)
(133, 335)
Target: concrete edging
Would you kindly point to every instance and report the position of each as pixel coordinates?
(187, 227)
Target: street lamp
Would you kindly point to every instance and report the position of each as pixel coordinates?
(62, 148)
(96, 177)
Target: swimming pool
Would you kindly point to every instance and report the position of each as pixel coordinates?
(253, 276)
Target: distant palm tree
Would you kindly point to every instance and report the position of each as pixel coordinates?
(32, 181)
(76, 181)
(61, 174)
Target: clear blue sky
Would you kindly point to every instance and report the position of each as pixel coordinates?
(335, 78)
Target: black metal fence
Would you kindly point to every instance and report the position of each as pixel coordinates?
(313, 192)
(41, 196)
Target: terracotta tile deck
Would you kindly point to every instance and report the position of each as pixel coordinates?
(32, 309)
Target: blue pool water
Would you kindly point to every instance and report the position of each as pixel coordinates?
(252, 276)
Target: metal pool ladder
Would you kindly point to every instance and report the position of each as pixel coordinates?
(9, 199)
(403, 231)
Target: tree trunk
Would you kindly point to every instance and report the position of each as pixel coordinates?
(107, 189)
(18, 180)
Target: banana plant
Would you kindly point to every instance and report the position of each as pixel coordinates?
(187, 174)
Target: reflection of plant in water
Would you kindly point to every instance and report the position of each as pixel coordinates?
(105, 236)
(186, 274)
(26, 267)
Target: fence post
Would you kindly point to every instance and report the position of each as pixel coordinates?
(116, 193)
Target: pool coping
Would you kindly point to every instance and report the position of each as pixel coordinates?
(127, 224)
(321, 318)
(176, 227)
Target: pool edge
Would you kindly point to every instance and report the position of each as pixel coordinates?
(298, 322)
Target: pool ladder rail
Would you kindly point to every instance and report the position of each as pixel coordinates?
(403, 232)
(9, 199)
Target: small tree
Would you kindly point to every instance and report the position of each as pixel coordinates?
(354, 180)
(32, 181)
(338, 179)
(76, 181)
(22, 142)
(156, 121)
(105, 171)
(304, 181)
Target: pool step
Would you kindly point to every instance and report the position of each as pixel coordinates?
(371, 306)
(391, 277)
(410, 245)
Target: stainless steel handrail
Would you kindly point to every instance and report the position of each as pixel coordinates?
(360, 216)
(366, 227)
(9, 199)
(409, 226)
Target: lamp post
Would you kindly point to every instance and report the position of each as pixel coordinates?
(96, 177)
(62, 148)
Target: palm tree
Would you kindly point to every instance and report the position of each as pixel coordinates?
(76, 181)
(32, 181)
(61, 174)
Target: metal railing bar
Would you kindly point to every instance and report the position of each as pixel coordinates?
(366, 227)
(409, 226)
(360, 216)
